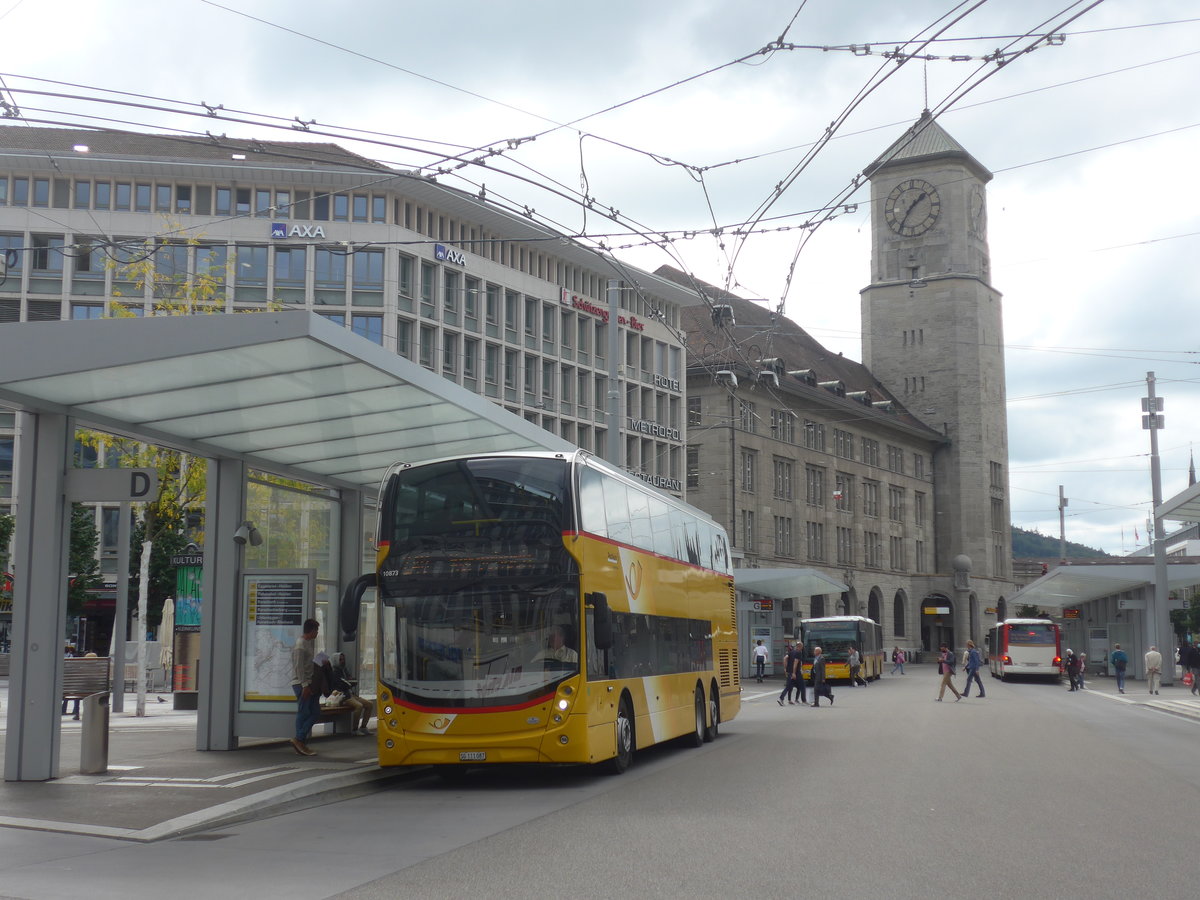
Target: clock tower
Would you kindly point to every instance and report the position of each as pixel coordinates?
(933, 334)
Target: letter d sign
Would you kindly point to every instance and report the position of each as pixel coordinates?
(139, 485)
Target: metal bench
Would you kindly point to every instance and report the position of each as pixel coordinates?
(84, 676)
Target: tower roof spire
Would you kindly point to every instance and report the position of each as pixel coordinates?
(925, 140)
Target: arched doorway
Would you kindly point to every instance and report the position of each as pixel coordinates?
(817, 605)
(875, 606)
(1001, 610)
(937, 622)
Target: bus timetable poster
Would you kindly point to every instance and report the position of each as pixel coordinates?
(275, 605)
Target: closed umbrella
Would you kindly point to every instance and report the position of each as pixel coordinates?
(166, 637)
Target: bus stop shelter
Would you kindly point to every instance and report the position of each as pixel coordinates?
(286, 392)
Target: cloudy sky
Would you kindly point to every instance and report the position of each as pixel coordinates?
(694, 116)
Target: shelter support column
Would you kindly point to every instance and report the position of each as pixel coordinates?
(39, 597)
(352, 533)
(220, 650)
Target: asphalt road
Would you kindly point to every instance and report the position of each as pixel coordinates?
(1031, 793)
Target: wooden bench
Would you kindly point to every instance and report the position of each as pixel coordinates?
(84, 676)
(340, 717)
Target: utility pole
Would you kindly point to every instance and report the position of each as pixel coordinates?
(1159, 615)
(1062, 527)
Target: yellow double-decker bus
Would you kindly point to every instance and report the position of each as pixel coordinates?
(545, 608)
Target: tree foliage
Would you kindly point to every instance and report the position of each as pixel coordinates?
(82, 568)
(1033, 545)
(1187, 620)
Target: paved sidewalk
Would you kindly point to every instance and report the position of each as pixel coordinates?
(1178, 700)
(158, 785)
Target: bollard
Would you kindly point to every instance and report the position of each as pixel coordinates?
(93, 749)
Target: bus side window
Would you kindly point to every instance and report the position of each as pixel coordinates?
(616, 507)
(661, 528)
(678, 531)
(639, 519)
(691, 541)
(706, 544)
(591, 502)
(720, 552)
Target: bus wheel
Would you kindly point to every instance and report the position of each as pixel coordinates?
(714, 715)
(696, 738)
(626, 740)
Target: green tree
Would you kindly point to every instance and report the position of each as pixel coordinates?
(1187, 620)
(7, 525)
(83, 570)
(1027, 611)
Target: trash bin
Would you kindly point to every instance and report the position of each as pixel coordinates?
(93, 750)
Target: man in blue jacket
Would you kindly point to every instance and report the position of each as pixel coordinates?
(1119, 661)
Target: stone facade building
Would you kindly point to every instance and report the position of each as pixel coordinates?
(891, 476)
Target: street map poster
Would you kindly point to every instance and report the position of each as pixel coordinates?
(275, 603)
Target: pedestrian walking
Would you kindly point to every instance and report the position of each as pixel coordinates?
(1119, 661)
(1071, 664)
(898, 660)
(760, 661)
(1193, 665)
(788, 682)
(819, 684)
(973, 662)
(854, 661)
(946, 670)
(1082, 669)
(798, 674)
(1153, 669)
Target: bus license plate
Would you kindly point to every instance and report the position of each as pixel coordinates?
(472, 756)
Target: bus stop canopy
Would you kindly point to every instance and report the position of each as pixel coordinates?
(1183, 507)
(1074, 584)
(289, 392)
(784, 583)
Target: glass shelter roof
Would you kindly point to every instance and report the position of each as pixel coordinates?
(287, 391)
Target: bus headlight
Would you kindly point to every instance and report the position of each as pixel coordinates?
(563, 704)
(563, 739)
(387, 710)
(557, 719)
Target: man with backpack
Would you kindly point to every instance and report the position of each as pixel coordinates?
(973, 662)
(946, 670)
(1119, 661)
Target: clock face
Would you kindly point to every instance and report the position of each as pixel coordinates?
(912, 207)
(978, 212)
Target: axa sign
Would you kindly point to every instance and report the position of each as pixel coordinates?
(448, 254)
(281, 230)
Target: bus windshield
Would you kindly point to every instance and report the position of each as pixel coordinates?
(834, 640)
(1031, 634)
(480, 598)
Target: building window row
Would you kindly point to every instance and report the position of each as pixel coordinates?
(179, 198)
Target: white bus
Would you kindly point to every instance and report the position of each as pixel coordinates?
(1025, 647)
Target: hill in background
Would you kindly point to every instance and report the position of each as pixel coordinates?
(1032, 545)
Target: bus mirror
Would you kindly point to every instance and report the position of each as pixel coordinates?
(352, 603)
(602, 635)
